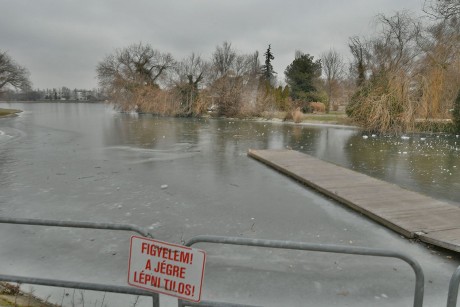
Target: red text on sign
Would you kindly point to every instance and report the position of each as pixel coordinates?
(167, 284)
(170, 269)
(166, 253)
(147, 279)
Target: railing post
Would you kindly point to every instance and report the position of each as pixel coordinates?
(452, 295)
(156, 300)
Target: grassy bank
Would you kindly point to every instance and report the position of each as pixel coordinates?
(335, 117)
(10, 295)
(435, 126)
(331, 118)
(8, 112)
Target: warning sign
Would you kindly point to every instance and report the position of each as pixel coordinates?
(166, 268)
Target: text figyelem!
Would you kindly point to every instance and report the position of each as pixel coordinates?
(166, 253)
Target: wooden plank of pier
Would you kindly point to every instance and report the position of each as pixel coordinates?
(409, 213)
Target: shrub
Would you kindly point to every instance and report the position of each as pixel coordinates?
(383, 104)
(318, 107)
(297, 115)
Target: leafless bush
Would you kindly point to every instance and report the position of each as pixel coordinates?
(228, 95)
(385, 105)
(386, 102)
(157, 101)
(297, 115)
(318, 107)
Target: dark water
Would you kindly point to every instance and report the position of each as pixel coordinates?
(184, 177)
(429, 164)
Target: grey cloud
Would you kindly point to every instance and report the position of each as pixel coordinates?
(61, 42)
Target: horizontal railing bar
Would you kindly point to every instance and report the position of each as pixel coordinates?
(75, 285)
(212, 304)
(103, 288)
(329, 248)
(76, 224)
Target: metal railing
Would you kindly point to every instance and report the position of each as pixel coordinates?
(93, 286)
(353, 250)
(341, 249)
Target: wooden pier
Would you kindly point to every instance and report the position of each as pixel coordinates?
(409, 213)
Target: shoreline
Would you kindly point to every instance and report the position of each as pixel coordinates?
(333, 119)
(9, 112)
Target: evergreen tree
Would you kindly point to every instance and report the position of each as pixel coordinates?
(301, 75)
(267, 69)
(456, 113)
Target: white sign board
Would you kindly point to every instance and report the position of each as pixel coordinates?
(166, 268)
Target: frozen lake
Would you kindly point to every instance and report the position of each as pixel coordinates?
(87, 162)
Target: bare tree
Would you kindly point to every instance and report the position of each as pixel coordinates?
(132, 74)
(360, 50)
(223, 59)
(333, 68)
(192, 69)
(190, 73)
(444, 9)
(396, 47)
(386, 102)
(227, 62)
(135, 65)
(438, 69)
(12, 74)
(225, 84)
(241, 65)
(231, 78)
(254, 64)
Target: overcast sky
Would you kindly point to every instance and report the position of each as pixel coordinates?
(61, 42)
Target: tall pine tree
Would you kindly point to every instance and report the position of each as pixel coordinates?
(267, 69)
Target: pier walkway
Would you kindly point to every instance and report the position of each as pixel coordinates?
(409, 213)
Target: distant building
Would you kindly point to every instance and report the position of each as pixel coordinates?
(81, 95)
